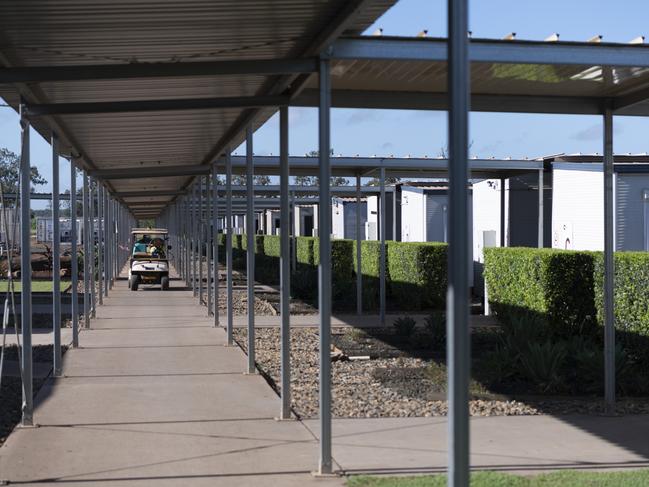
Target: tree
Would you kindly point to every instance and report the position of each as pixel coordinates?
(313, 180)
(388, 180)
(305, 180)
(10, 172)
(240, 180)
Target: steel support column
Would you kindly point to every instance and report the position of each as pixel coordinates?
(92, 192)
(228, 242)
(200, 237)
(26, 271)
(359, 273)
(324, 267)
(382, 224)
(457, 316)
(194, 233)
(74, 252)
(86, 251)
(100, 243)
(541, 219)
(250, 253)
(609, 265)
(56, 258)
(209, 238)
(215, 241)
(285, 269)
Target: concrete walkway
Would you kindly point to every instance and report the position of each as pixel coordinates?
(154, 397)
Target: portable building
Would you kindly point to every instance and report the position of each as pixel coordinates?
(343, 217)
(578, 210)
(45, 229)
(9, 226)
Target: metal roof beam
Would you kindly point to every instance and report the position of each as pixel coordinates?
(493, 51)
(145, 193)
(40, 74)
(147, 172)
(154, 105)
(402, 100)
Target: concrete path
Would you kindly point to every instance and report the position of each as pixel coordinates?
(154, 397)
(517, 444)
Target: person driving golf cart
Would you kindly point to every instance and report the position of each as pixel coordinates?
(140, 246)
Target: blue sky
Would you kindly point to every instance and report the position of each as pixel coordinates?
(397, 132)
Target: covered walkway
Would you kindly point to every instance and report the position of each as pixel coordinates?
(154, 396)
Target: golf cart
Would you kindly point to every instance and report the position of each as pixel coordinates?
(149, 263)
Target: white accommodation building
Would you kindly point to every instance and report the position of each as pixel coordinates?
(578, 197)
(343, 217)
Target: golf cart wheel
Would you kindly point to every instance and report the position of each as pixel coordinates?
(164, 282)
(135, 281)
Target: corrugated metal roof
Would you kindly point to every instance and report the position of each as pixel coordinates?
(76, 32)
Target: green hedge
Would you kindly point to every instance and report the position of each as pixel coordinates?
(631, 300)
(304, 249)
(417, 274)
(555, 284)
(370, 271)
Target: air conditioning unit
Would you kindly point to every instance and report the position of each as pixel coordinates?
(371, 231)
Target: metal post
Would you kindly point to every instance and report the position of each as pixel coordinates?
(228, 242)
(458, 350)
(91, 244)
(250, 237)
(201, 238)
(503, 215)
(100, 242)
(285, 269)
(56, 258)
(107, 264)
(324, 267)
(209, 237)
(74, 254)
(382, 238)
(215, 242)
(540, 231)
(609, 265)
(86, 252)
(26, 271)
(193, 210)
(359, 267)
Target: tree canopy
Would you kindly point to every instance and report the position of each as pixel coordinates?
(10, 172)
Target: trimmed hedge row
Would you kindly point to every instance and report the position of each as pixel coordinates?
(418, 277)
(556, 284)
(565, 288)
(415, 272)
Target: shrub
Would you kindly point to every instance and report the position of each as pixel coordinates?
(436, 325)
(404, 326)
(417, 274)
(341, 268)
(370, 270)
(555, 284)
(304, 249)
(631, 301)
(542, 364)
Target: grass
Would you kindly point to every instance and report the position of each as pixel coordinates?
(568, 478)
(37, 286)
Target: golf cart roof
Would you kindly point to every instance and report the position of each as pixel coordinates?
(153, 231)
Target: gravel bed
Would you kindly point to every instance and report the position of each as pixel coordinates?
(11, 389)
(240, 304)
(392, 387)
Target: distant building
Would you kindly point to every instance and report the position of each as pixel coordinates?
(343, 217)
(578, 196)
